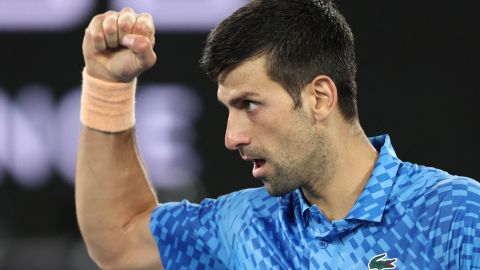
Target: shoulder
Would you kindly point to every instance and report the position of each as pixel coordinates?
(236, 211)
(414, 181)
(428, 189)
(252, 201)
(231, 211)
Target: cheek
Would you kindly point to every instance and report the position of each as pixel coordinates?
(291, 143)
(280, 129)
(300, 131)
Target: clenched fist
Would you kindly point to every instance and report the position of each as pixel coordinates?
(118, 46)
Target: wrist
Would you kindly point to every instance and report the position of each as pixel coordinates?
(101, 74)
(107, 106)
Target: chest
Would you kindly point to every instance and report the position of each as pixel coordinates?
(396, 245)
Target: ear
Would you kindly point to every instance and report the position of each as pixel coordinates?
(321, 93)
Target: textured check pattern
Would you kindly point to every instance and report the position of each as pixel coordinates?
(423, 217)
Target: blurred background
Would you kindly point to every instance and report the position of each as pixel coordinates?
(418, 81)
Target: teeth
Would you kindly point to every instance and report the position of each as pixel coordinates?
(258, 162)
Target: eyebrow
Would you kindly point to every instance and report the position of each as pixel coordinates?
(235, 100)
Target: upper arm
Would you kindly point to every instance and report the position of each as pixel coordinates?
(144, 251)
(461, 244)
(470, 246)
(135, 248)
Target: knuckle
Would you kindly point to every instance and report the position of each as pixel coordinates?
(125, 22)
(98, 17)
(147, 20)
(127, 15)
(146, 15)
(110, 12)
(110, 18)
(109, 26)
(128, 9)
(148, 24)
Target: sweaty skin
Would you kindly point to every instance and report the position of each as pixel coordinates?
(114, 199)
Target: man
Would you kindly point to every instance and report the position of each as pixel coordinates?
(333, 198)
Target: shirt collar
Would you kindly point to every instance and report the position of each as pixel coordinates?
(372, 201)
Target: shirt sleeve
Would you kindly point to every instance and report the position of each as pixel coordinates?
(461, 228)
(188, 235)
(470, 246)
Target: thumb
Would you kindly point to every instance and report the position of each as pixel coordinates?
(142, 48)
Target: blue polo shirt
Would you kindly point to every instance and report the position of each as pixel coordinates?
(407, 217)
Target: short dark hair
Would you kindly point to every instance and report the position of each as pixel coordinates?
(300, 40)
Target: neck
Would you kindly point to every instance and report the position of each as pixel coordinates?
(356, 158)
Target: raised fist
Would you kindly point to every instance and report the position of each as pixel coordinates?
(118, 46)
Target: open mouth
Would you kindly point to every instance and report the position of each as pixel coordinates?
(258, 167)
(258, 162)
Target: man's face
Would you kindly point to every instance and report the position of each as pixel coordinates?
(283, 143)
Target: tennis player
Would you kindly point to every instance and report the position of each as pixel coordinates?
(332, 197)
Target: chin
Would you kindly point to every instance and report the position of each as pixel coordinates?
(277, 191)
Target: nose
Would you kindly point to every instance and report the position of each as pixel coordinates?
(236, 134)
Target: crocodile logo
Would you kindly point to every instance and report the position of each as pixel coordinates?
(379, 263)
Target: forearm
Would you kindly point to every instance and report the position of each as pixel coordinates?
(112, 190)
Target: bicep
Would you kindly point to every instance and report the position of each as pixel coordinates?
(140, 248)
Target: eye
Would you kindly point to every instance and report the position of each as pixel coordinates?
(250, 105)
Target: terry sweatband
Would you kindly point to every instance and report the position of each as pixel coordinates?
(107, 106)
